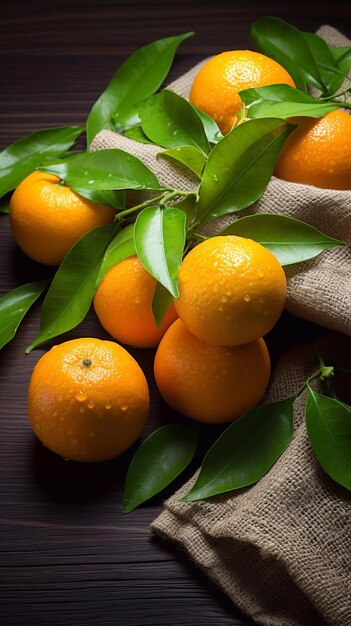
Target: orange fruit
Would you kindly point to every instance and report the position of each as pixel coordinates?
(47, 218)
(318, 152)
(232, 290)
(216, 86)
(207, 383)
(88, 400)
(123, 304)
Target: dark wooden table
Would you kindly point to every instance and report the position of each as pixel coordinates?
(68, 554)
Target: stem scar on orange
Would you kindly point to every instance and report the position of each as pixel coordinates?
(47, 218)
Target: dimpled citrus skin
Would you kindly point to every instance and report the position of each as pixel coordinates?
(232, 290)
(123, 304)
(88, 400)
(216, 86)
(207, 383)
(318, 152)
(48, 219)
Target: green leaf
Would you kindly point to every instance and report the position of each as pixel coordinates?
(240, 166)
(246, 450)
(289, 239)
(137, 78)
(121, 247)
(113, 198)
(161, 302)
(188, 156)
(283, 101)
(137, 134)
(286, 44)
(103, 170)
(171, 122)
(328, 424)
(212, 131)
(72, 289)
(327, 66)
(159, 238)
(342, 57)
(22, 157)
(157, 462)
(5, 203)
(13, 307)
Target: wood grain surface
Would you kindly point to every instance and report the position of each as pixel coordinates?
(68, 554)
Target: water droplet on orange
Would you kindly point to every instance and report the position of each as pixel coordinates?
(81, 396)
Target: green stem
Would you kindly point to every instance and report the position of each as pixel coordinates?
(341, 93)
(166, 196)
(187, 248)
(143, 205)
(200, 236)
(173, 194)
(342, 105)
(306, 383)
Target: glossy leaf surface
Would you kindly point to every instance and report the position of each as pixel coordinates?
(113, 198)
(137, 134)
(342, 57)
(188, 156)
(286, 44)
(171, 122)
(141, 75)
(72, 289)
(283, 101)
(104, 170)
(240, 167)
(161, 302)
(159, 238)
(328, 424)
(120, 247)
(212, 131)
(290, 240)
(13, 307)
(157, 462)
(22, 157)
(327, 66)
(245, 451)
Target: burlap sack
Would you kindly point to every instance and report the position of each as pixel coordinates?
(319, 290)
(280, 549)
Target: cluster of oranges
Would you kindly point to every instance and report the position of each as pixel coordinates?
(89, 399)
(317, 152)
(211, 364)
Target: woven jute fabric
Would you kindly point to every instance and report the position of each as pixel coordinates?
(280, 549)
(319, 290)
